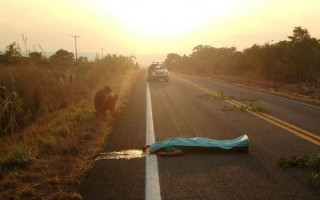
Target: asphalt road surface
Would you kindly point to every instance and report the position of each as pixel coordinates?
(185, 107)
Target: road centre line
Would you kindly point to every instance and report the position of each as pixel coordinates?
(152, 176)
(311, 137)
(265, 93)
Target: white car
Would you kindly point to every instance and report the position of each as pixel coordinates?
(158, 74)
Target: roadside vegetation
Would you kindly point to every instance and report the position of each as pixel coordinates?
(251, 107)
(290, 67)
(49, 132)
(313, 176)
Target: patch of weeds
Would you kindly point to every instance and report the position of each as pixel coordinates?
(294, 161)
(69, 146)
(258, 109)
(17, 156)
(232, 108)
(61, 131)
(230, 97)
(60, 195)
(8, 183)
(247, 99)
(27, 193)
(303, 162)
(254, 108)
(243, 108)
(8, 196)
(54, 181)
(46, 143)
(27, 178)
(86, 136)
(221, 95)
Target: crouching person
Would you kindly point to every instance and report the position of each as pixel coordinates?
(105, 101)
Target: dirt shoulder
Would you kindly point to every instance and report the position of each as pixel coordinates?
(62, 146)
(299, 92)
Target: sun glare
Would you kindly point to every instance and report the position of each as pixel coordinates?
(164, 18)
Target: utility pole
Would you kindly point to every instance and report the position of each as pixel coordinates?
(102, 52)
(75, 44)
(25, 44)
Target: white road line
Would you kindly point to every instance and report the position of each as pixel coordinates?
(152, 176)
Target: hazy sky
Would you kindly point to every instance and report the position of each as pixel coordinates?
(150, 29)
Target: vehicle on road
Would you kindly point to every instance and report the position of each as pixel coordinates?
(158, 72)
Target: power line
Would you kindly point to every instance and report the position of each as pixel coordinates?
(25, 44)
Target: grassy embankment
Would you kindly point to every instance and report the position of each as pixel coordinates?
(47, 158)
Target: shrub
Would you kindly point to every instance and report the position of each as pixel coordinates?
(303, 162)
(46, 143)
(10, 109)
(61, 131)
(17, 156)
(69, 146)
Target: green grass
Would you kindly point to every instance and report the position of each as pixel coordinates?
(19, 156)
(258, 109)
(303, 162)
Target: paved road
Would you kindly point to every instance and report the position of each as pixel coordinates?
(182, 110)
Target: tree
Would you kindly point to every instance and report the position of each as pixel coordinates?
(35, 56)
(82, 59)
(63, 55)
(303, 53)
(12, 54)
(13, 50)
(299, 35)
(171, 59)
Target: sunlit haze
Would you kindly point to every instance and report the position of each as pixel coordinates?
(150, 29)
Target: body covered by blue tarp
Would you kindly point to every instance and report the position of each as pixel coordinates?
(242, 141)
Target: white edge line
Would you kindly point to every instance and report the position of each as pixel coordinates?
(152, 176)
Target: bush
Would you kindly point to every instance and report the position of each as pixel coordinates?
(303, 162)
(10, 109)
(17, 156)
(61, 131)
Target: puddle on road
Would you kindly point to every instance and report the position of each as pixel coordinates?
(124, 154)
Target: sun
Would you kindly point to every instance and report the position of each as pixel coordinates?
(162, 18)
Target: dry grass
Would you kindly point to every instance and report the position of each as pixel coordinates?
(60, 147)
(44, 90)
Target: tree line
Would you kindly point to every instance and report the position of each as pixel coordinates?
(13, 56)
(296, 60)
(31, 87)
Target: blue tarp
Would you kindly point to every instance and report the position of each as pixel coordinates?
(242, 141)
